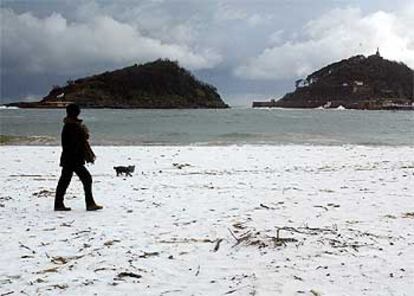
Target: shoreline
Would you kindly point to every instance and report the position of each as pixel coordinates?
(40, 142)
(213, 145)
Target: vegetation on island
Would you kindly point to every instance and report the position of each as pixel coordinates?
(356, 83)
(158, 84)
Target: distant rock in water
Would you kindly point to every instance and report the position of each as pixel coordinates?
(159, 84)
(356, 83)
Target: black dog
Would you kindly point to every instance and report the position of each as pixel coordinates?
(127, 170)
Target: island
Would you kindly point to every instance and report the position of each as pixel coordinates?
(370, 83)
(161, 84)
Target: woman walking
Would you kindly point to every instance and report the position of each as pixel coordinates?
(75, 152)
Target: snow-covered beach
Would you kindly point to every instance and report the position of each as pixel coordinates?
(232, 220)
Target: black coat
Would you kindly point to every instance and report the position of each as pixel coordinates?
(73, 143)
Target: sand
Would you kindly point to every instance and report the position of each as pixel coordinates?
(234, 220)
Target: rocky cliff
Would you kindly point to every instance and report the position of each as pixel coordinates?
(356, 83)
(159, 84)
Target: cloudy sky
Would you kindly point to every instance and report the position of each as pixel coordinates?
(248, 49)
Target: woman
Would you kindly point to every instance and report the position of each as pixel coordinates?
(75, 151)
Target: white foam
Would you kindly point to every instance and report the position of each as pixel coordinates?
(3, 107)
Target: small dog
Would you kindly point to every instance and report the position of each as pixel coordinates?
(127, 170)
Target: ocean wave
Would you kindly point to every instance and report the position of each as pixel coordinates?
(27, 140)
(2, 107)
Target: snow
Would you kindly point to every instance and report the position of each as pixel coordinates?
(204, 221)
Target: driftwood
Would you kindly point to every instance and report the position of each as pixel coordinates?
(217, 246)
(242, 238)
(104, 268)
(327, 236)
(63, 260)
(187, 240)
(27, 248)
(52, 269)
(148, 254)
(264, 206)
(278, 241)
(408, 215)
(129, 274)
(181, 165)
(255, 238)
(111, 242)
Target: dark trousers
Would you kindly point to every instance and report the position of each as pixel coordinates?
(64, 181)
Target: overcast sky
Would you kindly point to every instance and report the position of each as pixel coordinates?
(247, 49)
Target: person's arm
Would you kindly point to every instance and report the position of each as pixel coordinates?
(85, 131)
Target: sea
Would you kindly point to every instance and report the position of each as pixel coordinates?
(201, 127)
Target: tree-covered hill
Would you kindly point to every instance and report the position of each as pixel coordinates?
(158, 84)
(356, 83)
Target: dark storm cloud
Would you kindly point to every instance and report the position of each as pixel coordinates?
(246, 48)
